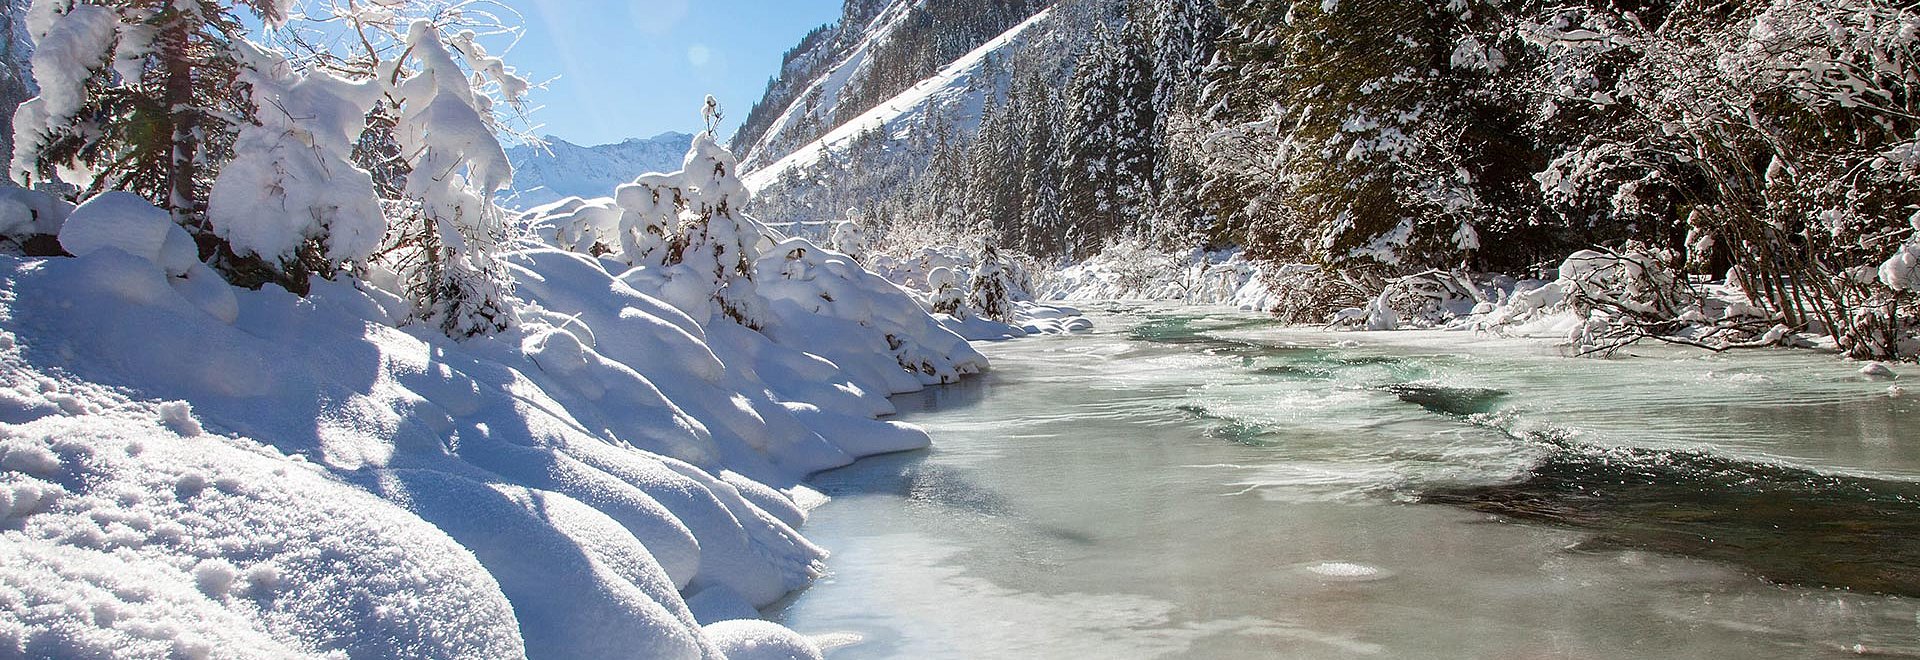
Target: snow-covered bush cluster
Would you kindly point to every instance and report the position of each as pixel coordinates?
(978, 291)
(680, 234)
(1599, 301)
(1131, 270)
(285, 160)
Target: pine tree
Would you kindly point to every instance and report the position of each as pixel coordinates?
(139, 92)
(1109, 168)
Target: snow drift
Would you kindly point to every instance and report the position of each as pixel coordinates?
(192, 469)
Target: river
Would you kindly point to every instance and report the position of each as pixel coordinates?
(1211, 485)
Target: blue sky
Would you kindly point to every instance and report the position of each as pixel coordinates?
(636, 68)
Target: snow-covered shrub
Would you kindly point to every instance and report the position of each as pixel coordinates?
(443, 252)
(1634, 281)
(992, 289)
(1423, 300)
(710, 264)
(1129, 269)
(814, 294)
(576, 224)
(850, 237)
(682, 231)
(649, 219)
(945, 295)
(292, 195)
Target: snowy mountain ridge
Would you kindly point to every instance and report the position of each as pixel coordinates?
(956, 95)
(820, 98)
(879, 49)
(563, 169)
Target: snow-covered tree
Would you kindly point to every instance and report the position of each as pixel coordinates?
(1781, 133)
(992, 289)
(712, 269)
(444, 248)
(139, 94)
(1110, 158)
(945, 294)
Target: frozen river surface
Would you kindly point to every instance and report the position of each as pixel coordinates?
(1182, 484)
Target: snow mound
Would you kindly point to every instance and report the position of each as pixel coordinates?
(192, 469)
(125, 222)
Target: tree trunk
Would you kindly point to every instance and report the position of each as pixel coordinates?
(182, 121)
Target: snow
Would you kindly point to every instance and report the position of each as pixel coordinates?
(71, 44)
(745, 639)
(292, 178)
(1901, 272)
(124, 221)
(1878, 370)
(24, 213)
(194, 469)
(1130, 271)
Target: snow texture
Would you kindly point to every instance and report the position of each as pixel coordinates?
(191, 469)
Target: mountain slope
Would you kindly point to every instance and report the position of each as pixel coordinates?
(954, 98)
(564, 169)
(879, 49)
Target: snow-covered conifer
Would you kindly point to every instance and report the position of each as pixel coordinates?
(139, 93)
(991, 293)
(444, 249)
(712, 269)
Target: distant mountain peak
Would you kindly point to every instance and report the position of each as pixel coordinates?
(564, 169)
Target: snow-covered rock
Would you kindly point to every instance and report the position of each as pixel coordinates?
(126, 222)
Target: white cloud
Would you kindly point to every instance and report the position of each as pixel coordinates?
(699, 54)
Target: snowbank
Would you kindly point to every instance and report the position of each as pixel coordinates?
(959, 286)
(192, 469)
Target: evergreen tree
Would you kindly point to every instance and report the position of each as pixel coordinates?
(445, 243)
(1110, 158)
(139, 92)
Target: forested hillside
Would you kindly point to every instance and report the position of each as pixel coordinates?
(877, 50)
(1770, 141)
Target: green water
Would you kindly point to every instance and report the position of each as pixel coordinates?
(1188, 485)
